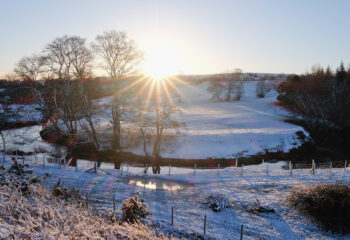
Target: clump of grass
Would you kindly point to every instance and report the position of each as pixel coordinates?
(133, 210)
(328, 204)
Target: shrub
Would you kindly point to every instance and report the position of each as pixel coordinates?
(217, 202)
(262, 89)
(133, 210)
(326, 203)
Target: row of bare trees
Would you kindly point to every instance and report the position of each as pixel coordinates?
(153, 115)
(227, 88)
(67, 63)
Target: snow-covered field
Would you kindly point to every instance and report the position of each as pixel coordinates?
(211, 129)
(187, 194)
(228, 129)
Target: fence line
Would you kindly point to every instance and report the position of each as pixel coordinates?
(244, 170)
(313, 166)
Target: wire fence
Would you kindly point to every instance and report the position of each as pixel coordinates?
(288, 168)
(265, 168)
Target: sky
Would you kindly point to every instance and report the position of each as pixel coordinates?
(194, 37)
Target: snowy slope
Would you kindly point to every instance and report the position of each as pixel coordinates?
(226, 129)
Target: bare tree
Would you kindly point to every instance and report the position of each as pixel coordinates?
(232, 85)
(238, 90)
(11, 76)
(88, 123)
(144, 123)
(227, 88)
(154, 117)
(2, 121)
(29, 67)
(120, 57)
(216, 88)
(262, 89)
(81, 58)
(66, 59)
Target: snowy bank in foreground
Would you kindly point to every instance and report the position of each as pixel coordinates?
(34, 213)
(255, 199)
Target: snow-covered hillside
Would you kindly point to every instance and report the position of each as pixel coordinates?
(211, 129)
(228, 129)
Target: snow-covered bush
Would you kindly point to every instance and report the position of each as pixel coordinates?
(329, 204)
(133, 210)
(217, 202)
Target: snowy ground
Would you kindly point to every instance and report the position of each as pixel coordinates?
(211, 129)
(186, 193)
(228, 129)
(26, 139)
(22, 112)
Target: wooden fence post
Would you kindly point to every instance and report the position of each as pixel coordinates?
(242, 170)
(205, 224)
(172, 216)
(87, 200)
(345, 165)
(290, 168)
(169, 169)
(267, 169)
(313, 167)
(263, 161)
(242, 232)
(236, 162)
(194, 171)
(218, 169)
(330, 167)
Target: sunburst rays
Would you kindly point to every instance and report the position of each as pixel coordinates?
(162, 90)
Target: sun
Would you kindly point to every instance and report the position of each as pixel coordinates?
(161, 62)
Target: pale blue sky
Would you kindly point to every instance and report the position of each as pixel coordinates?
(206, 36)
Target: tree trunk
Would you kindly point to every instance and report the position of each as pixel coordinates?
(116, 116)
(155, 156)
(4, 147)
